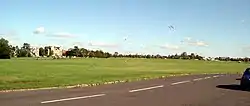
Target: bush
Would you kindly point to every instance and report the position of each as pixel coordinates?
(4, 56)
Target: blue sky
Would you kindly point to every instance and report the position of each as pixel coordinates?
(207, 27)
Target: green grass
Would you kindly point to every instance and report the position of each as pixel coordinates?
(30, 73)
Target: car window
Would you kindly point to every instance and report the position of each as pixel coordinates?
(247, 71)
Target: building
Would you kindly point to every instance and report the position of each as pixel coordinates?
(34, 51)
(56, 51)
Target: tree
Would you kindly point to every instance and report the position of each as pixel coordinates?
(192, 56)
(158, 56)
(115, 54)
(246, 59)
(69, 53)
(176, 56)
(4, 49)
(83, 52)
(148, 56)
(13, 51)
(76, 51)
(26, 46)
(47, 50)
(99, 53)
(107, 55)
(51, 53)
(198, 57)
(42, 51)
(91, 53)
(184, 55)
(24, 51)
(120, 55)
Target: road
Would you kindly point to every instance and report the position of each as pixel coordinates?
(193, 90)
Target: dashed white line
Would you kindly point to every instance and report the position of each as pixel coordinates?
(197, 79)
(148, 88)
(215, 76)
(136, 90)
(180, 82)
(74, 98)
(207, 77)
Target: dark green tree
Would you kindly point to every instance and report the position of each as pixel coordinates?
(42, 52)
(115, 54)
(5, 50)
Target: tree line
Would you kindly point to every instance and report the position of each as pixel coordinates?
(7, 51)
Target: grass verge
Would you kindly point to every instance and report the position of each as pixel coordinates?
(30, 73)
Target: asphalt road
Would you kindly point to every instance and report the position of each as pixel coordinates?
(195, 90)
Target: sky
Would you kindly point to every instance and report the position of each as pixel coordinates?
(207, 27)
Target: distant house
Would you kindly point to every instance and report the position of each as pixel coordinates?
(209, 58)
(64, 52)
(34, 52)
(56, 51)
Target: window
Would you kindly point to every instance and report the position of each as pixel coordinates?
(247, 71)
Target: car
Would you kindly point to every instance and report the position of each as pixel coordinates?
(245, 79)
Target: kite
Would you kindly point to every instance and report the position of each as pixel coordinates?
(39, 30)
(125, 38)
(171, 27)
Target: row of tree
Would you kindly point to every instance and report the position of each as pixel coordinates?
(7, 51)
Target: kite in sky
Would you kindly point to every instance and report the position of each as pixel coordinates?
(171, 27)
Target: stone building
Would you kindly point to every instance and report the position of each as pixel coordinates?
(56, 51)
(34, 51)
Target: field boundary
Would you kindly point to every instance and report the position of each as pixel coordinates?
(104, 83)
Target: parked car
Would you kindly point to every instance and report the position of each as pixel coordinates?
(245, 79)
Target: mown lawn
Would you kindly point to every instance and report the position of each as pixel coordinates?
(31, 73)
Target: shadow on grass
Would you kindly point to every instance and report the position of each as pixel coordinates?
(233, 87)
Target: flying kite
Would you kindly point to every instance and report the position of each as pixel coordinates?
(171, 27)
(125, 38)
(39, 30)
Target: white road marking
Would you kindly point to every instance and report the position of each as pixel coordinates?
(180, 82)
(136, 90)
(197, 79)
(215, 76)
(148, 88)
(74, 98)
(207, 77)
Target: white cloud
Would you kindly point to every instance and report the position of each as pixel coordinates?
(187, 38)
(102, 44)
(198, 43)
(171, 47)
(61, 35)
(191, 42)
(39, 30)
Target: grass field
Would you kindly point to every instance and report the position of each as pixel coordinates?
(31, 73)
